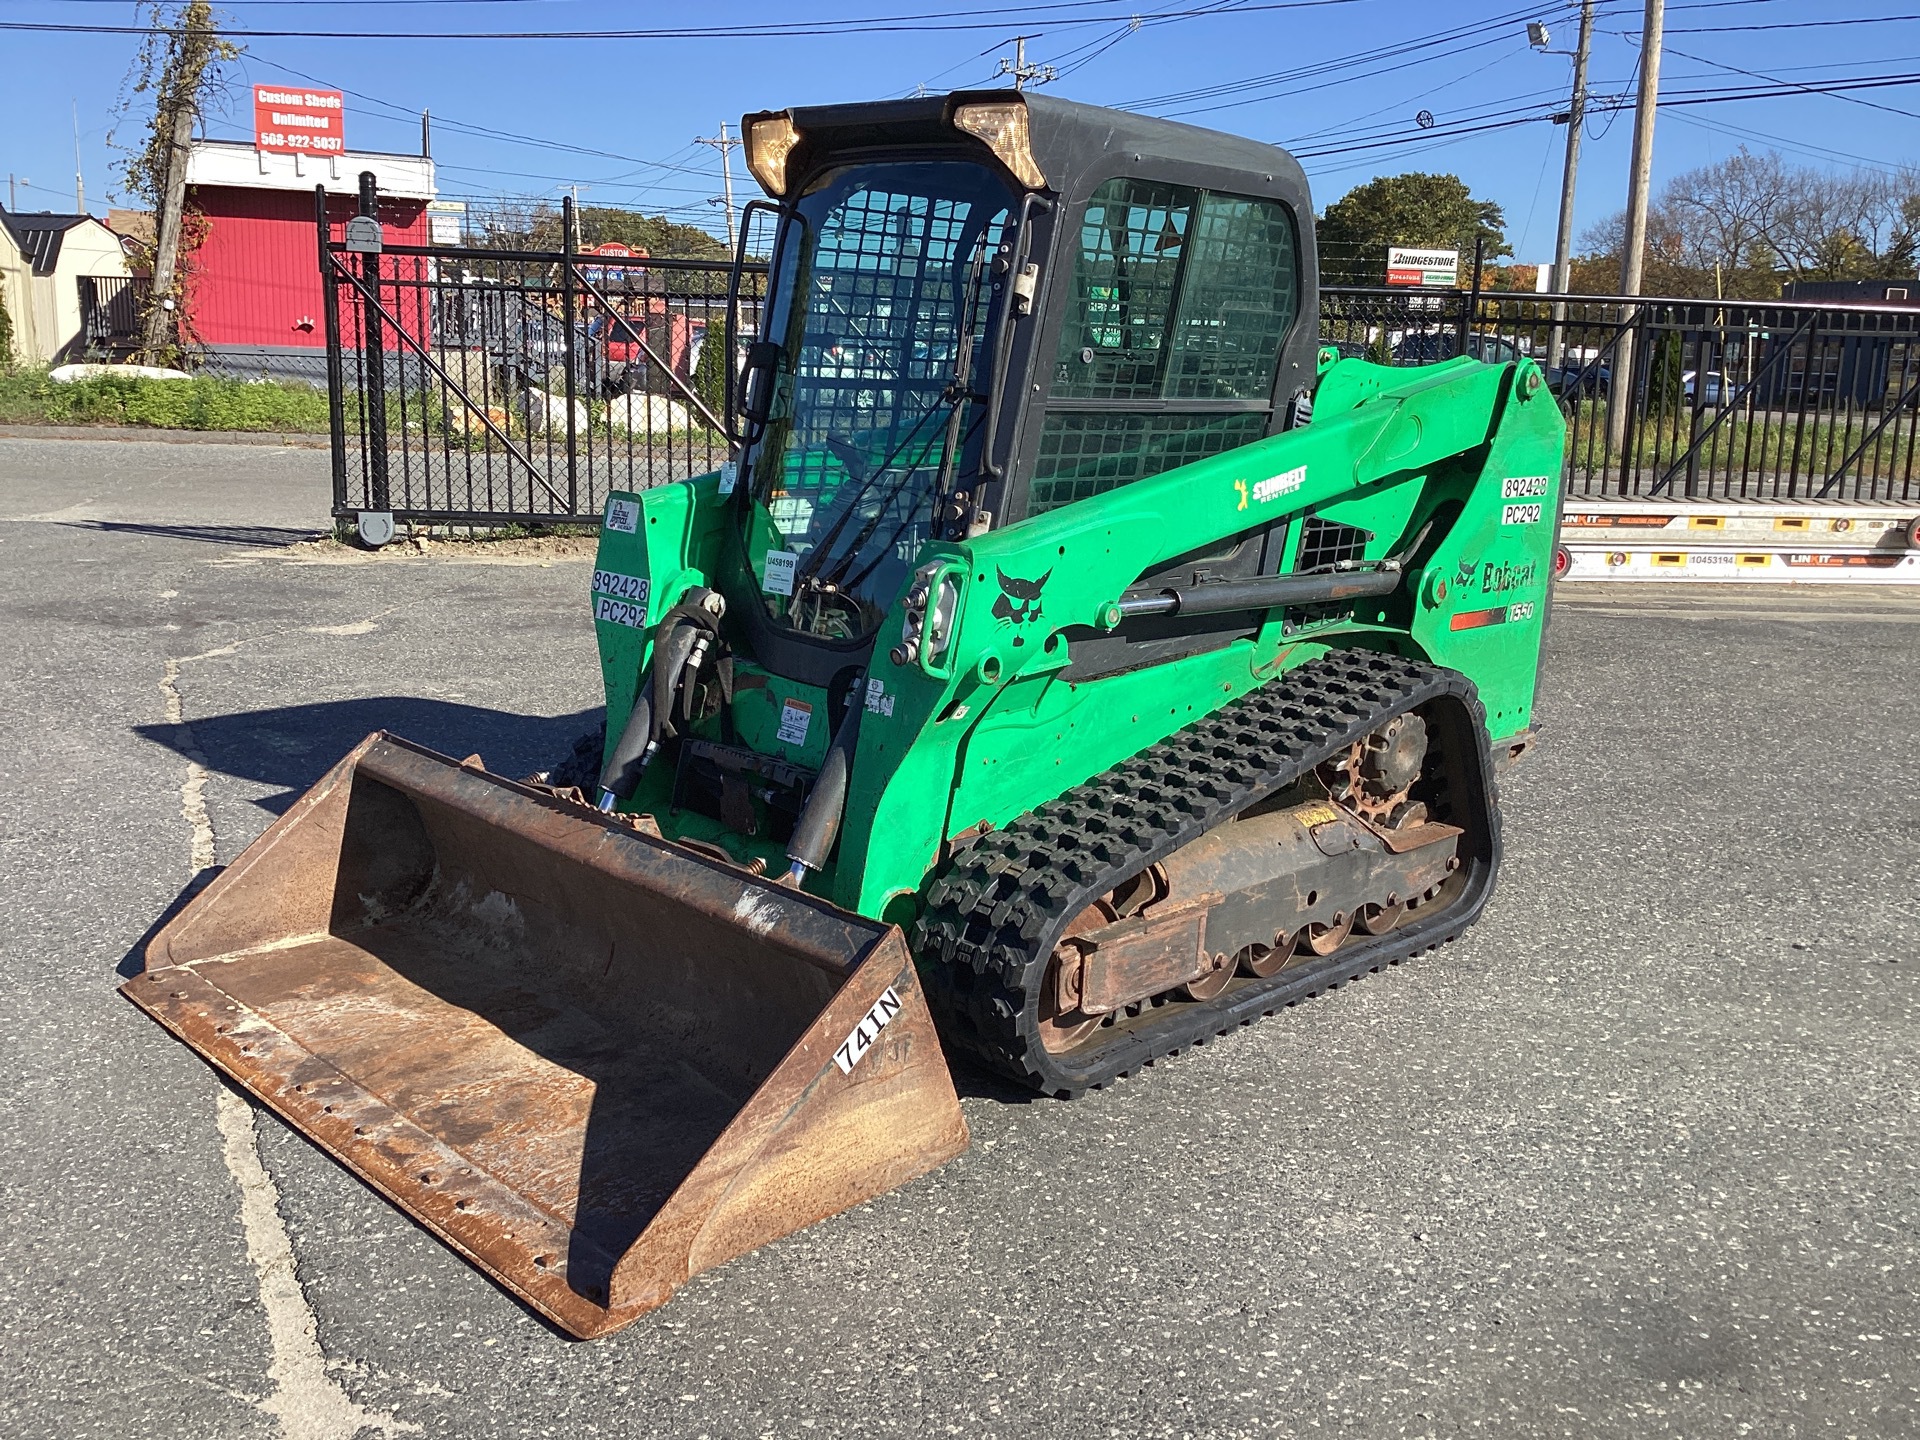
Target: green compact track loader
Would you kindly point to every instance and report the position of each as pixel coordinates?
(1076, 661)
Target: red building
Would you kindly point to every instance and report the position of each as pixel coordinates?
(253, 289)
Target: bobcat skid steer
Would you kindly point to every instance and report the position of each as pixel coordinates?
(1077, 661)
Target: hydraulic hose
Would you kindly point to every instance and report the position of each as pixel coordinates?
(819, 822)
(621, 777)
(1221, 596)
(652, 704)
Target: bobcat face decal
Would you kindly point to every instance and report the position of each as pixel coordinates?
(1018, 603)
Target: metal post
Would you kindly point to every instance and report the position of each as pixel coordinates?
(566, 350)
(1703, 359)
(1633, 255)
(1471, 310)
(376, 366)
(336, 378)
(1563, 237)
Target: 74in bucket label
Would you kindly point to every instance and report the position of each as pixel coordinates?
(861, 1038)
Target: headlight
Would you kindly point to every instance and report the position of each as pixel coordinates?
(770, 140)
(1002, 124)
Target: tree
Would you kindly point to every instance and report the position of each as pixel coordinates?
(1739, 227)
(1666, 379)
(658, 236)
(1412, 209)
(180, 63)
(534, 224)
(710, 373)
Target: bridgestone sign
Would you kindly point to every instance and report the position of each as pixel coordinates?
(1427, 269)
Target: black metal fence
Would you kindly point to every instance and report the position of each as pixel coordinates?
(110, 311)
(1685, 399)
(485, 387)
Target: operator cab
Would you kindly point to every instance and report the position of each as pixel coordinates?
(984, 306)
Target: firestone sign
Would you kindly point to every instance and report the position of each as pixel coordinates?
(310, 122)
(1430, 269)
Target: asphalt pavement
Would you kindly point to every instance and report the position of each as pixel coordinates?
(1636, 1157)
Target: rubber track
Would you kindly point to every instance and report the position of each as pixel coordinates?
(996, 909)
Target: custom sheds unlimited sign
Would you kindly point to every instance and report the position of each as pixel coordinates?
(309, 122)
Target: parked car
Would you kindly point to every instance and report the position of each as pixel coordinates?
(1714, 389)
(1429, 347)
(1578, 381)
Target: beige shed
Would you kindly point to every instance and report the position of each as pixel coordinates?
(61, 276)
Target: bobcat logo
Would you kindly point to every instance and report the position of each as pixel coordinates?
(1468, 569)
(1019, 600)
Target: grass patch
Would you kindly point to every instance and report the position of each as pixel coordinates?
(1761, 442)
(205, 402)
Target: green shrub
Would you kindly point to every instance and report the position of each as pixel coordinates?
(202, 403)
(710, 375)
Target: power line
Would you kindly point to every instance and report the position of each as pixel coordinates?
(1363, 58)
(876, 25)
(1789, 24)
(1673, 99)
(1342, 127)
(488, 132)
(1322, 67)
(1757, 75)
(1796, 147)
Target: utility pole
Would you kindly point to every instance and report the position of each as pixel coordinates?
(1633, 254)
(725, 143)
(79, 185)
(1024, 74)
(193, 52)
(1563, 238)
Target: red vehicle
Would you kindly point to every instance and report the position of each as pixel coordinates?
(645, 324)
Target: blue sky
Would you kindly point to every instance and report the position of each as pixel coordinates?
(640, 102)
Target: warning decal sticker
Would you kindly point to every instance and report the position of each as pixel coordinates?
(795, 717)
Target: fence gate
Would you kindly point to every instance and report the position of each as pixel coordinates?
(488, 387)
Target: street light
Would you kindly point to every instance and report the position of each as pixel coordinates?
(1538, 35)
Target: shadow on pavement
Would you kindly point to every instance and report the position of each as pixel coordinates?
(135, 960)
(291, 746)
(250, 535)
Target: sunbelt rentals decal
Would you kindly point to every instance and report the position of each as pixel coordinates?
(1274, 487)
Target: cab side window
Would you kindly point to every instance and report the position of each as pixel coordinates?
(1181, 299)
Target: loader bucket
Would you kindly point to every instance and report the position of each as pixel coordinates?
(594, 1062)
